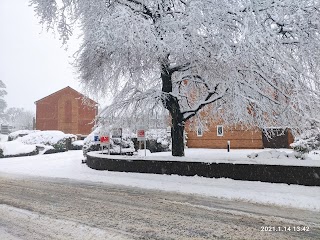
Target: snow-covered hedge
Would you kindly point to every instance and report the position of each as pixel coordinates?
(57, 139)
(36, 142)
(20, 133)
(16, 149)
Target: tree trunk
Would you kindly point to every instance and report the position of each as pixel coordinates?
(171, 103)
(177, 135)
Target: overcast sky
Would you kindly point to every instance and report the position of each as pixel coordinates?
(33, 64)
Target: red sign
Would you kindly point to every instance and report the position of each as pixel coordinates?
(105, 139)
(140, 134)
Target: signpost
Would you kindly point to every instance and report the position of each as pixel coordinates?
(141, 136)
(117, 133)
(105, 141)
(96, 139)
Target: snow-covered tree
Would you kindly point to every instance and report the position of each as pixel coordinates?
(3, 103)
(20, 118)
(257, 60)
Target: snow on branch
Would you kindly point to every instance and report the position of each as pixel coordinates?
(259, 61)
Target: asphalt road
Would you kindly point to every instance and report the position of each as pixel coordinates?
(47, 208)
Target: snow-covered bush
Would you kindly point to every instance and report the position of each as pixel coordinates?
(17, 149)
(20, 133)
(77, 145)
(89, 143)
(309, 140)
(158, 140)
(302, 147)
(57, 139)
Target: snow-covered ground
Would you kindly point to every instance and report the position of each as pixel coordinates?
(51, 228)
(68, 165)
(237, 156)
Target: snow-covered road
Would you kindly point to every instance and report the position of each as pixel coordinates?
(68, 165)
(47, 208)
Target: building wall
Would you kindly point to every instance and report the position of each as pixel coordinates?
(65, 111)
(239, 138)
(282, 138)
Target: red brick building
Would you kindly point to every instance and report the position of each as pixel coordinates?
(218, 136)
(65, 111)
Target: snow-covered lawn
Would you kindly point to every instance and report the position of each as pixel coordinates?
(236, 156)
(68, 165)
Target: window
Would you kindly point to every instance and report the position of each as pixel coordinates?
(219, 130)
(199, 132)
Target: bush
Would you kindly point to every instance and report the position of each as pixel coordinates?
(17, 149)
(309, 140)
(77, 145)
(125, 144)
(157, 140)
(302, 147)
(20, 133)
(58, 140)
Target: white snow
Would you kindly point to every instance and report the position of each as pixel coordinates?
(78, 143)
(28, 143)
(238, 156)
(16, 134)
(59, 228)
(16, 148)
(3, 138)
(68, 165)
(44, 137)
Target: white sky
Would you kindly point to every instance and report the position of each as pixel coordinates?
(33, 63)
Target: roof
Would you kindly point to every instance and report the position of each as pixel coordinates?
(63, 89)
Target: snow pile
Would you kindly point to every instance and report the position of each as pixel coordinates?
(269, 154)
(56, 139)
(16, 148)
(142, 152)
(44, 148)
(77, 143)
(3, 138)
(273, 154)
(20, 133)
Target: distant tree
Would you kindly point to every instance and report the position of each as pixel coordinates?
(20, 118)
(257, 60)
(3, 103)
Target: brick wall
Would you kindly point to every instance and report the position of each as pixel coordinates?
(238, 137)
(64, 111)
